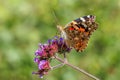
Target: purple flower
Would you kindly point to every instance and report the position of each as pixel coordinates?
(36, 60)
(41, 73)
(43, 64)
(44, 67)
(56, 45)
(48, 50)
(62, 46)
(38, 52)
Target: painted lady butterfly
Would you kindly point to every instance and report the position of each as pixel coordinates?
(77, 32)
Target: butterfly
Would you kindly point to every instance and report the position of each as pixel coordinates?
(77, 33)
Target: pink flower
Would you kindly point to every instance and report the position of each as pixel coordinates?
(48, 50)
(43, 64)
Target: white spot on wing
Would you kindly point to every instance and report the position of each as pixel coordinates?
(88, 16)
(82, 19)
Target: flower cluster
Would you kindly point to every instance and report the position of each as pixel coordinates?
(46, 51)
(43, 66)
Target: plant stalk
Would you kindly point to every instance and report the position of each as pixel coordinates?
(77, 68)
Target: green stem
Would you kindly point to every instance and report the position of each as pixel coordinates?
(77, 68)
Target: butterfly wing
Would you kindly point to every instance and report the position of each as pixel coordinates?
(78, 32)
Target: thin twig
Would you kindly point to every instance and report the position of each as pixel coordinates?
(77, 68)
(57, 66)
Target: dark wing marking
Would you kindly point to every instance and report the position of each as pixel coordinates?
(79, 36)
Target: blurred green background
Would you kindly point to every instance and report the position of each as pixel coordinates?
(25, 23)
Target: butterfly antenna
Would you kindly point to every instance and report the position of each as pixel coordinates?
(55, 17)
(56, 21)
